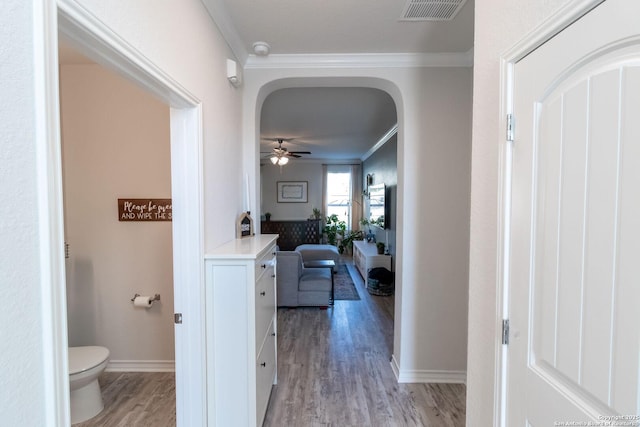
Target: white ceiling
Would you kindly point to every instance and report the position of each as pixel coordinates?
(334, 123)
(340, 26)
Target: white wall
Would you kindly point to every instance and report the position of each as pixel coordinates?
(293, 171)
(115, 140)
(21, 324)
(499, 24)
(434, 116)
(180, 38)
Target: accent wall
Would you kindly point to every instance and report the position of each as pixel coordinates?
(383, 167)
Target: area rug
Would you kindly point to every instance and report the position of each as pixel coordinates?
(344, 288)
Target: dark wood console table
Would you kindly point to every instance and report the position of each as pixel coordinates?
(293, 233)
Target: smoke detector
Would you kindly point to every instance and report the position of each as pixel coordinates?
(261, 48)
(431, 10)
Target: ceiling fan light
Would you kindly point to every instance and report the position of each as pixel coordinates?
(274, 159)
(283, 161)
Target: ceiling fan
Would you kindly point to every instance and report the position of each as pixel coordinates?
(280, 155)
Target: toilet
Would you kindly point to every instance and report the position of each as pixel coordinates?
(85, 365)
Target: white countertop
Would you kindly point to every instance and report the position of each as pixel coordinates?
(245, 248)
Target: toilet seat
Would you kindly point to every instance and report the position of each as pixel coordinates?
(84, 358)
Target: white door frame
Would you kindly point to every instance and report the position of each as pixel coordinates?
(94, 39)
(561, 19)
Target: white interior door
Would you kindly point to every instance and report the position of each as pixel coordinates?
(574, 276)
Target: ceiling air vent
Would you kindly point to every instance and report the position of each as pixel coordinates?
(431, 10)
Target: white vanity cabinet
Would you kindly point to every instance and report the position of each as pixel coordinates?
(240, 312)
(366, 257)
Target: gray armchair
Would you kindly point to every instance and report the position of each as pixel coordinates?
(300, 286)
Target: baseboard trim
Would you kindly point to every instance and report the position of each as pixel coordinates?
(427, 376)
(395, 367)
(141, 366)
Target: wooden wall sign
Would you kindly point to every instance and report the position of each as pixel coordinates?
(144, 209)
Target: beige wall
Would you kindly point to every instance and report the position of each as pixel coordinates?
(115, 142)
(499, 24)
(435, 242)
(293, 171)
(181, 39)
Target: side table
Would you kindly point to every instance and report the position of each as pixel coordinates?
(324, 263)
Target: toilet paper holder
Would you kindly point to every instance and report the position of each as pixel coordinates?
(156, 297)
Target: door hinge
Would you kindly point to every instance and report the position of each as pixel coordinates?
(177, 318)
(505, 331)
(510, 127)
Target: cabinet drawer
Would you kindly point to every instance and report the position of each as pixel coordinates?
(266, 260)
(265, 304)
(265, 373)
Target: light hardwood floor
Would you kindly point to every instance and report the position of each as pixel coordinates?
(137, 399)
(333, 370)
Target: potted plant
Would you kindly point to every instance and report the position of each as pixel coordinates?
(347, 242)
(379, 222)
(267, 216)
(316, 214)
(380, 246)
(333, 228)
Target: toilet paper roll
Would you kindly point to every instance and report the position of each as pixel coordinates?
(142, 301)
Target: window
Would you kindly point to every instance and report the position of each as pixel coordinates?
(339, 195)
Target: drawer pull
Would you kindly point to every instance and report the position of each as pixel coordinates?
(263, 293)
(263, 364)
(273, 275)
(264, 266)
(273, 334)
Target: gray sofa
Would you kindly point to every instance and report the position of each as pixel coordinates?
(311, 252)
(300, 286)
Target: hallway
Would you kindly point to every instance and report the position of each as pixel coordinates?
(334, 370)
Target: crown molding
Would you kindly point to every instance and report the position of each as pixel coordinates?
(220, 16)
(361, 60)
(383, 140)
(222, 20)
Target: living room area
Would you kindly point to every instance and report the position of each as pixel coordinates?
(343, 212)
(332, 193)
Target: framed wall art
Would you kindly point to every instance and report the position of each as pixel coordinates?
(292, 191)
